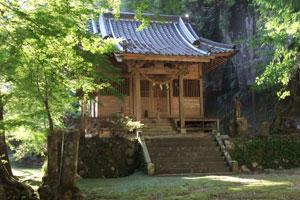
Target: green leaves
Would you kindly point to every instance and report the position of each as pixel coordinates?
(48, 54)
(280, 28)
(269, 152)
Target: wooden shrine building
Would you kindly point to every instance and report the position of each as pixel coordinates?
(163, 67)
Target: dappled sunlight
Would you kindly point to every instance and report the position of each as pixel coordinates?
(246, 181)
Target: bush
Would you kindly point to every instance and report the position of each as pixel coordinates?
(27, 143)
(118, 122)
(268, 152)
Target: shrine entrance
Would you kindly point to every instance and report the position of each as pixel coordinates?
(161, 101)
(155, 100)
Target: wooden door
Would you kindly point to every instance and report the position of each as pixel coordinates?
(161, 100)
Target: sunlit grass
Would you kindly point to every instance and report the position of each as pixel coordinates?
(31, 176)
(277, 185)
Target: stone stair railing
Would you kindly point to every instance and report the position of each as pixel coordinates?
(231, 163)
(150, 166)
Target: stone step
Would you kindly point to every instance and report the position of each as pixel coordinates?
(203, 154)
(200, 158)
(185, 154)
(192, 170)
(163, 132)
(160, 134)
(162, 122)
(156, 120)
(192, 164)
(182, 138)
(181, 143)
(182, 149)
(158, 130)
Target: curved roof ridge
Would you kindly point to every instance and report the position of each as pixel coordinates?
(152, 17)
(175, 37)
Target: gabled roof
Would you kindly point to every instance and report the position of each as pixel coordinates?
(171, 37)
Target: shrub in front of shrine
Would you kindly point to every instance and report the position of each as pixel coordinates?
(272, 152)
(118, 123)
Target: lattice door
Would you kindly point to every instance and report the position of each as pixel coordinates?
(161, 99)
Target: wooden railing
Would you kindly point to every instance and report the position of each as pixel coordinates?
(150, 166)
(231, 163)
(201, 124)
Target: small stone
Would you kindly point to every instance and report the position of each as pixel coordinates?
(228, 144)
(150, 169)
(67, 195)
(130, 161)
(269, 170)
(129, 152)
(254, 164)
(244, 168)
(112, 169)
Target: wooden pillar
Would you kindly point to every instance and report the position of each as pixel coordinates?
(181, 105)
(131, 95)
(201, 91)
(137, 96)
(151, 97)
(171, 98)
(98, 105)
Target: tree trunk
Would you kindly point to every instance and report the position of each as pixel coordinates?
(10, 188)
(50, 185)
(3, 145)
(69, 169)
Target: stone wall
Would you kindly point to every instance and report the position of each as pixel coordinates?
(266, 152)
(108, 157)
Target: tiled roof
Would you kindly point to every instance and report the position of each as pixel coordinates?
(171, 37)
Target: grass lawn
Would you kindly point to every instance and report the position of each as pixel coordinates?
(284, 184)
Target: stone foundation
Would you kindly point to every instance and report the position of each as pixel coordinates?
(108, 157)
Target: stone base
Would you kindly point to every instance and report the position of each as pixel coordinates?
(150, 169)
(182, 131)
(238, 127)
(264, 128)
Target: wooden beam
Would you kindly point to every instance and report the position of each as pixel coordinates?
(201, 100)
(171, 98)
(152, 113)
(98, 104)
(131, 98)
(196, 59)
(181, 104)
(226, 54)
(137, 96)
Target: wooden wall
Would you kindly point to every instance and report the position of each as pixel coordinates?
(111, 104)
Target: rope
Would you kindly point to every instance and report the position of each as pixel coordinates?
(156, 82)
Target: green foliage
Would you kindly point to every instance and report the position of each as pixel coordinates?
(280, 28)
(269, 152)
(47, 56)
(117, 122)
(44, 168)
(28, 142)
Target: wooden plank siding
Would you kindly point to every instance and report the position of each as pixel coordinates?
(192, 99)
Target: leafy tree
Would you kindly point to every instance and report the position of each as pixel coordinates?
(280, 28)
(47, 55)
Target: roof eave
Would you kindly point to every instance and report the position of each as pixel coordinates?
(168, 58)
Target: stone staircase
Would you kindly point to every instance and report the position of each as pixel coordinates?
(155, 127)
(185, 154)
